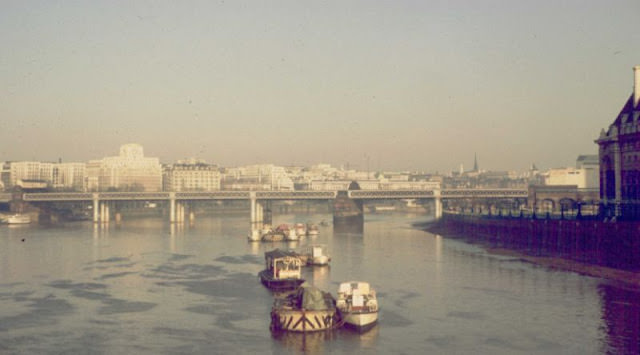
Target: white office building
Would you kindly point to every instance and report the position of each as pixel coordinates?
(129, 171)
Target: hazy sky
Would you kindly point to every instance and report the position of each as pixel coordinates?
(420, 85)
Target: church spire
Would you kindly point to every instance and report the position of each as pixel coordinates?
(475, 162)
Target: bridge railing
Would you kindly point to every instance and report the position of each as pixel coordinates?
(462, 193)
(588, 214)
(57, 196)
(186, 195)
(389, 194)
(296, 195)
(213, 195)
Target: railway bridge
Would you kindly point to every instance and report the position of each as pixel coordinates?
(178, 202)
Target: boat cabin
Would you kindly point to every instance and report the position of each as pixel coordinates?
(357, 295)
(318, 255)
(283, 264)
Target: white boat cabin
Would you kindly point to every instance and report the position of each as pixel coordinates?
(283, 264)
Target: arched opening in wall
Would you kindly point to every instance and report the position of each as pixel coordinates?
(547, 205)
(507, 205)
(568, 205)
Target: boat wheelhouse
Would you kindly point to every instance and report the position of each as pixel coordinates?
(283, 270)
(318, 255)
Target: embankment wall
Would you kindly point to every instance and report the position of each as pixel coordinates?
(611, 244)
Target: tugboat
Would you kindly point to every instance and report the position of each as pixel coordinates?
(358, 305)
(283, 270)
(309, 309)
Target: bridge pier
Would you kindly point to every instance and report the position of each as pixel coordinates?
(437, 207)
(96, 203)
(172, 207)
(102, 213)
(257, 211)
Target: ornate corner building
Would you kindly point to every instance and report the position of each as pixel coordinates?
(619, 151)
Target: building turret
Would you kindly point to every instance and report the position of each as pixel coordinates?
(636, 86)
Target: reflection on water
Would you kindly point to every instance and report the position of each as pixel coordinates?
(320, 274)
(147, 286)
(305, 342)
(348, 228)
(365, 340)
(621, 314)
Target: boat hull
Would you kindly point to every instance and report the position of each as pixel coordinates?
(321, 260)
(360, 321)
(302, 321)
(18, 219)
(278, 284)
(273, 237)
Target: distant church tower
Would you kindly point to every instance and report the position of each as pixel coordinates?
(475, 162)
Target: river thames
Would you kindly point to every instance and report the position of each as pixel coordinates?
(146, 287)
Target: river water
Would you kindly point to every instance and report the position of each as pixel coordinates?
(145, 287)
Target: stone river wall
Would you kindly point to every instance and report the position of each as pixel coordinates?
(610, 244)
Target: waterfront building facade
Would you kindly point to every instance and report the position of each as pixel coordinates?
(257, 177)
(29, 170)
(129, 171)
(68, 176)
(619, 152)
(586, 174)
(191, 176)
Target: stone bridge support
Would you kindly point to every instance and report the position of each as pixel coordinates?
(437, 203)
(101, 210)
(178, 210)
(96, 204)
(172, 207)
(257, 211)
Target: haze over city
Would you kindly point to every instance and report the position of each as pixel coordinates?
(397, 85)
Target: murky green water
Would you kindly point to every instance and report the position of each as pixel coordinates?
(145, 287)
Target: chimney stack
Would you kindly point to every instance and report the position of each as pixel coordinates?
(636, 85)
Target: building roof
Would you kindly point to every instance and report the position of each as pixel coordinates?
(627, 109)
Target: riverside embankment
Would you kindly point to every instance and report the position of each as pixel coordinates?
(591, 247)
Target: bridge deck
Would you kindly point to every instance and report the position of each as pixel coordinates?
(274, 195)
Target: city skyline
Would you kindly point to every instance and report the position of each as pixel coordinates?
(345, 167)
(381, 86)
